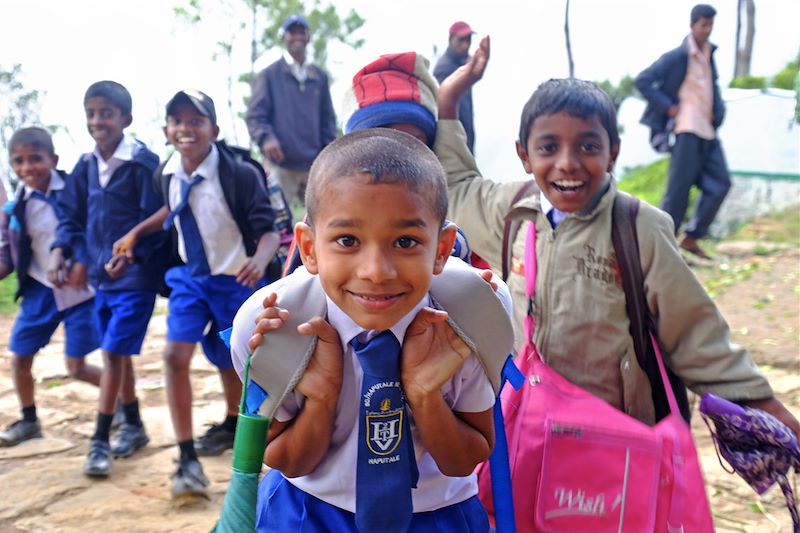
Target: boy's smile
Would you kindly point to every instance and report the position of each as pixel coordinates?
(375, 248)
(33, 166)
(191, 134)
(569, 158)
(105, 123)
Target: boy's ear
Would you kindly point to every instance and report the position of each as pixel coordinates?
(54, 157)
(127, 120)
(164, 129)
(304, 237)
(215, 131)
(447, 236)
(613, 160)
(522, 153)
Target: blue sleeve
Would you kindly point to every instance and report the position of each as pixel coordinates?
(72, 202)
(260, 111)
(6, 264)
(260, 215)
(650, 81)
(327, 115)
(150, 201)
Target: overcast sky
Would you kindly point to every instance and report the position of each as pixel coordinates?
(65, 46)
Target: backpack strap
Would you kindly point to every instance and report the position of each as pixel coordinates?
(626, 247)
(511, 227)
(280, 361)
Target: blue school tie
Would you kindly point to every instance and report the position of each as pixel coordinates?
(386, 469)
(556, 217)
(47, 199)
(196, 260)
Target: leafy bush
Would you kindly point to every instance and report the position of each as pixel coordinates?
(785, 79)
(749, 82)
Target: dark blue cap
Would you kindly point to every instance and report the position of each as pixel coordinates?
(294, 20)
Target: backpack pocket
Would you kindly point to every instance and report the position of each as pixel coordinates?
(597, 479)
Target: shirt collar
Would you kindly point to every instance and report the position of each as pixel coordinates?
(124, 151)
(348, 329)
(207, 169)
(56, 184)
(694, 49)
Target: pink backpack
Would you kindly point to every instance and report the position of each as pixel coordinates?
(579, 465)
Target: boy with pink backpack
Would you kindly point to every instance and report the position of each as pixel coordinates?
(574, 304)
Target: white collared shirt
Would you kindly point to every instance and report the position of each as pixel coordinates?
(696, 93)
(122, 154)
(222, 240)
(41, 222)
(299, 70)
(557, 216)
(334, 479)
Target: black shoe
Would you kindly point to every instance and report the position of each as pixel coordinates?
(216, 440)
(119, 417)
(98, 462)
(189, 479)
(20, 431)
(128, 439)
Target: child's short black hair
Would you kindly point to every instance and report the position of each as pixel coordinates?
(578, 98)
(702, 11)
(388, 156)
(116, 94)
(34, 136)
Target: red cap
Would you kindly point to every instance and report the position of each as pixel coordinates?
(460, 29)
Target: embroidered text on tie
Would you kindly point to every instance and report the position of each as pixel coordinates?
(196, 260)
(386, 469)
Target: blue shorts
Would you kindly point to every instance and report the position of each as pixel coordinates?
(283, 507)
(38, 319)
(122, 317)
(196, 301)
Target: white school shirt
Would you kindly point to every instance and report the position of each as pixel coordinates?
(558, 216)
(299, 70)
(334, 479)
(40, 224)
(222, 240)
(105, 169)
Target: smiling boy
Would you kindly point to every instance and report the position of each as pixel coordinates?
(218, 206)
(26, 232)
(375, 237)
(109, 191)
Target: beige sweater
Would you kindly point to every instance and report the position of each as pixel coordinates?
(579, 305)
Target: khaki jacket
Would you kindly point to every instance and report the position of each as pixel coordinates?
(579, 304)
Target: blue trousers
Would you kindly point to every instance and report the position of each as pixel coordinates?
(700, 163)
(282, 507)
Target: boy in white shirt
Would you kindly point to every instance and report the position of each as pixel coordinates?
(375, 236)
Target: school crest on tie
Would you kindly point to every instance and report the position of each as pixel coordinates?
(384, 431)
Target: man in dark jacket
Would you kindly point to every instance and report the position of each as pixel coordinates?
(682, 93)
(457, 54)
(291, 117)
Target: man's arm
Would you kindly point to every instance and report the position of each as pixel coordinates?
(259, 117)
(327, 114)
(650, 81)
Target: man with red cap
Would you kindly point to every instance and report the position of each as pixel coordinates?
(457, 54)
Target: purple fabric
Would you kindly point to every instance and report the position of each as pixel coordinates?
(759, 447)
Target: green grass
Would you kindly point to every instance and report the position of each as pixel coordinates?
(649, 183)
(8, 288)
(782, 227)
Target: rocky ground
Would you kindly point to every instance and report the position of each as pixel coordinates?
(42, 487)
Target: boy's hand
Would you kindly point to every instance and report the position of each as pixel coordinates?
(432, 353)
(115, 267)
(272, 150)
(57, 268)
(77, 276)
(125, 246)
(322, 380)
(271, 318)
(778, 410)
(457, 83)
(252, 271)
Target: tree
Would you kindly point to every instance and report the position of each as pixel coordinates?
(744, 50)
(618, 92)
(264, 18)
(569, 44)
(19, 107)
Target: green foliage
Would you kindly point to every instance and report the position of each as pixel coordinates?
(8, 288)
(19, 107)
(786, 78)
(749, 82)
(648, 182)
(782, 228)
(618, 92)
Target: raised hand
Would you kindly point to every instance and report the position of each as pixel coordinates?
(457, 83)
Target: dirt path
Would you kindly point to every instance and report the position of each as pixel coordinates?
(42, 488)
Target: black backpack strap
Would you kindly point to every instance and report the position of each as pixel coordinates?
(626, 248)
(511, 227)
